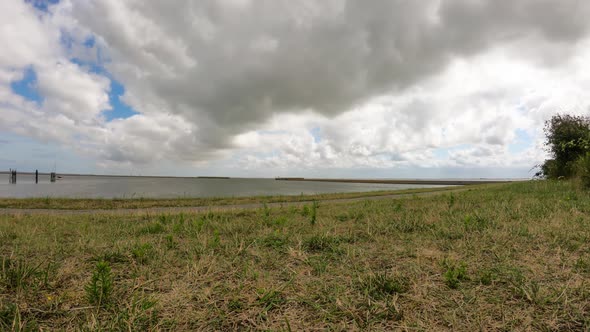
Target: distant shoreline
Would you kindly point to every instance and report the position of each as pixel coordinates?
(339, 180)
(403, 181)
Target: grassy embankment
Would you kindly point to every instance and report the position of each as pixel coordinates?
(138, 203)
(509, 257)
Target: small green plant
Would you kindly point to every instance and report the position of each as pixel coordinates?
(100, 287)
(305, 211)
(18, 274)
(488, 276)
(271, 299)
(142, 253)
(321, 243)
(475, 223)
(111, 257)
(582, 265)
(455, 273)
(381, 285)
(313, 213)
(319, 264)
(153, 228)
(451, 200)
(216, 242)
(235, 305)
(583, 170)
(170, 242)
(265, 210)
(274, 241)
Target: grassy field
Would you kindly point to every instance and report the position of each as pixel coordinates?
(507, 257)
(140, 203)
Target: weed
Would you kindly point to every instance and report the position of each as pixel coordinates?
(142, 252)
(19, 274)
(451, 201)
(266, 210)
(153, 228)
(487, 277)
(111, 257)
(235, 305)
(305, 211)
(216, 242)
(100, 287)
(320, 243)
(381, 285)
(170, 242)
(318, 264)
(455, 273)
(274, 241)
(313, 212)
(475, 223)
(271, 299)
(582, 265)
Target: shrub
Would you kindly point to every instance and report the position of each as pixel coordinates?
(583, 170)
(567, 139)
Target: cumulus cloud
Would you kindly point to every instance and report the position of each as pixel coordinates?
(299, 83)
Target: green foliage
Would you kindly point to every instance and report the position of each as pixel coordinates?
(567, 139)
(583, 170)
(455, 273)
(381, 285)
(153, 228)
(170, 242)
(319, 243)
(313, 212)
(100, 287)
(18, 274)
(271, 299)
(142, 253)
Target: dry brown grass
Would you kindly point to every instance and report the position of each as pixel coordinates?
(512, 257)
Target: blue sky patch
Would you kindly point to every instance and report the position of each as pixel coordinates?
(316, 132)
(89, 42)
(120, 110)
(42, 4)
(27, 86)
(523, 141)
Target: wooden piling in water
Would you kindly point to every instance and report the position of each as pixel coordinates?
(36, 176)
(53, 176)
(12, 178)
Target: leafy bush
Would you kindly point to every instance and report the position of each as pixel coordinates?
(583, 170)
(567, 139)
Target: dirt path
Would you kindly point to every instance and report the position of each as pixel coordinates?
(196, 209)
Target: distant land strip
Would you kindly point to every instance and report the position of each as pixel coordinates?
(402, 181)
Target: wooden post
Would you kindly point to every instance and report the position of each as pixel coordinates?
(13, 176)
(36, 176)
(53, 176)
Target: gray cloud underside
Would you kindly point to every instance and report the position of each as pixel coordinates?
(227, 66)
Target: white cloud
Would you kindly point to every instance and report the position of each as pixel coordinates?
(304, 84)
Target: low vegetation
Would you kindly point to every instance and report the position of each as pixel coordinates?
(507, 257)
(141, 203)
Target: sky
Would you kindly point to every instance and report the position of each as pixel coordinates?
(265, 88)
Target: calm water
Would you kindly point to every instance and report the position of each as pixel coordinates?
(130, 187)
